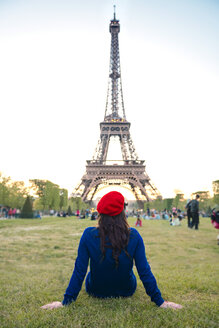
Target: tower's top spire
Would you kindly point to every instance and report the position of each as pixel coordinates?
(114, 104)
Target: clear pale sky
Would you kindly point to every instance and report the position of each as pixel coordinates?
(54, 63)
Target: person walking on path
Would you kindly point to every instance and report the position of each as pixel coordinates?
(195, 212)
(111, 248)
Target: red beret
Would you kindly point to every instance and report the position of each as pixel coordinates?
(111, 204)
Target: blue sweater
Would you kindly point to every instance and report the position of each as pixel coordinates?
(104, 279)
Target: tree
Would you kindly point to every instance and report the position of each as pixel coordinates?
(55, 197)
(146, 206)
(168, 203)
(63, 198)
(179, 198)
(48, 192)
(39, 187)
(157, 204)
(12, 193)
(27, 210)
(18, 193)
(215, 185)
(78, 204)
(4, 190)
(69, 211)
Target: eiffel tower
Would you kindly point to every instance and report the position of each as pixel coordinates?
(130, 171)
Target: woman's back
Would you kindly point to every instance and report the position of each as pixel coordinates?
(105, 278)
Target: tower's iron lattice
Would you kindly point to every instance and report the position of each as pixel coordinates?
(130, 171)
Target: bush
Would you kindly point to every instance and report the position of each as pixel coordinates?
(69, 211)
(27, 210)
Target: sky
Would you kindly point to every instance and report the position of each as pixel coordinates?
(54, 64)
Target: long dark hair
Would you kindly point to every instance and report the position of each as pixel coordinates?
(114, 233)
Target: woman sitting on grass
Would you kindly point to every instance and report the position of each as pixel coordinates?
(111, 249)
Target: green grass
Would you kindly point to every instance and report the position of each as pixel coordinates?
(37, 258)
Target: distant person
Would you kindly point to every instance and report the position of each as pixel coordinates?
(18, 212)
(111, 248)
(5, 210)
(148, 212)
(180, 214)
(175, 222)
(38, 216)
(51, 212)
(174, 212)
(10, 213)
(93, 216)
(189, 214)
(215, 219)
(138, 223)
(195, 212)
(14, 211)
(86, 213)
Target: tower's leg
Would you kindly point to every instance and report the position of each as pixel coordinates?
(105, 147)
(131, 147)
(93, 193)
(123, 147)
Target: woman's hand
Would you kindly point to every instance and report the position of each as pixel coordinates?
(51, 306)
(171, 305)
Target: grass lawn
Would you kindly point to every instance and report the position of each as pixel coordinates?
(37, 258)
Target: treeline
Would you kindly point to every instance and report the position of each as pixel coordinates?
(206, 202)
(51, 196)
(46, 195)
(43, 194)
